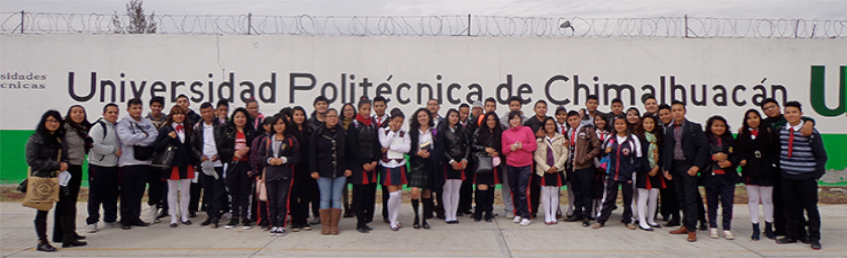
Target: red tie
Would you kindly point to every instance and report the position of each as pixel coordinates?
(179, 128)
(790, 141)
(379, 121)
(563, 129)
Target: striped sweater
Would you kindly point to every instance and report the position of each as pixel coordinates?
(808, 155)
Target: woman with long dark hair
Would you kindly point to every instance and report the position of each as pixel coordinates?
(486, 140)
(176, 134)
(758, 153)
(329, 155)
(633, 122)
(422, 135)
(720, 175)
(233, 142)
(648, 181)
(279, 152)
(454, 144)
(365, 133)
(305, 191)
(348, 115)
(76, 136)
(47, 155)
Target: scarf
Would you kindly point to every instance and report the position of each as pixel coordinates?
(364, 120)
(346, 122)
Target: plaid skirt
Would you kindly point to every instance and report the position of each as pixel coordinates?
(420, 173)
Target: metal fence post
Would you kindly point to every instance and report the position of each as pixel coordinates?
(469, 25)
(23, 15)
(686, 25)
(249, 22)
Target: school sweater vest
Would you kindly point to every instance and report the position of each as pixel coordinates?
(801, 163)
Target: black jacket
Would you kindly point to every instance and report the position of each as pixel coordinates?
(290, 149)
(455, 144)
(534, 124)
(480, 141)
(364, 139)
(197, 139)
(225, 140)
(728, 147)
(184, 155)
(301, 170)
(761, 154)
(42, 154)
(695, 146)
(329, 153)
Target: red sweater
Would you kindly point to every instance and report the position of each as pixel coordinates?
(521, 157)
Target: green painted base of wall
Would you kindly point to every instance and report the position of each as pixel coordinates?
(13, 158)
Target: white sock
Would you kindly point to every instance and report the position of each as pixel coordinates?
(642, 207)
(652, 202)
(545, 202)
(445, 199)
(185, 197)
(766, 194)
(394, 207)
(173, 191)
(554, 201)
(454, 198)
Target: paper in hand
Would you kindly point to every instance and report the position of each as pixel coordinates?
(64, 178)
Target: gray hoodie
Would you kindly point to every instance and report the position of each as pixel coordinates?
(132, 133)
(106, 144)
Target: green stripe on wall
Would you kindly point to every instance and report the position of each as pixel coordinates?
(13, 159)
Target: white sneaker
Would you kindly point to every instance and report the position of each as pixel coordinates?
(713, 233)
(247, 227)
(280, 232)
(728, 235)
(273, 231)
(525, 222)
(92, 228)
(517, 219)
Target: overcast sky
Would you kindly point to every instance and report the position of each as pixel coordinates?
(775, 9)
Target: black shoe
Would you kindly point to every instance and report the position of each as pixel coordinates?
(672, 223)
(386, 220)
(769, 233)
(173, 225)
(655, 226)
(756, 232)
(362, 230)
(425, 225)
(78, 237)
(192, 214)
(139, 223)
(645, 229)
(786, 240)
(214, 223)
(45, 246)
(206, 222)
(586, 223)
(573, 219)
(187, 222)
(703, 227)
(804, 239)
(816, 245)
(126, 226)
(416, 225)
(72, 243)
(369, 228)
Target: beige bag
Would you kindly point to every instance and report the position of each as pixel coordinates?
(42, 192)
(261, 188)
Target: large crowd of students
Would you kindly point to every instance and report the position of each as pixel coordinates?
(250, 168)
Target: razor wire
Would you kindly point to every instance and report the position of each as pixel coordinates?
(456, 25)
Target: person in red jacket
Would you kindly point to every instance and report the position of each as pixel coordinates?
(518, 144)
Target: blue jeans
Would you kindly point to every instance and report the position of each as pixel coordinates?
(519, 183)
(331, 191)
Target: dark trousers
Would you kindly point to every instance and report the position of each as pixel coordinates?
(534, 193)
(364, 198)
(102, 190)
(133, 179)
(581, 180)
(261, 210)
(609, 198)
(670, 203)
(779, 219)
(726, 194)
(800, 195)
(278, 191)
(157, 188)
(240, 188)
(301, 196)
(194, 202)
(214, 193)
(65, 215)
(687, 192)
(41, 224)
(384, 202)
(466, 193)
(519, 180)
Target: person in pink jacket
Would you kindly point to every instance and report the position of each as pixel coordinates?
(518, 145)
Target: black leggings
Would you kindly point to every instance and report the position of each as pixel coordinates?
(240, 188)
(278, 191)
(66, 207)
(364, 198)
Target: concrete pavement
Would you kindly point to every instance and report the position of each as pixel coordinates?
(501, 238)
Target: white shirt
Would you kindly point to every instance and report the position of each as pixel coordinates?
(179, 133)
(386, 140)
(210, 148)
(381, 119)
(425, 137)
(796, 127)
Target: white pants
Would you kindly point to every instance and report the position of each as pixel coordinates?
(550, 202)
(183, 188)
(450, 198)
(647, 202)
(763, 193)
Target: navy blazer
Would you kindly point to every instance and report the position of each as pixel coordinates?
(695, 146)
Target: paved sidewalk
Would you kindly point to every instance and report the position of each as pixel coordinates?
(501, 238)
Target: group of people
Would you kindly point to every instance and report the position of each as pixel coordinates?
(261, 169)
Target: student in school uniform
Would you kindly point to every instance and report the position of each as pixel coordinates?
(649, 181)
(454, 145)
(394, 144)
(603, 131)
(759, 156)
(721, 175)
(382, 119)
(550, 158)
(625, 158)
(176, 133)
(279, 152)
(367, 153)
(486, 140)
(422, 156)
(584, 146)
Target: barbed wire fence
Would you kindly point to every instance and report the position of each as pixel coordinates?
(457, 25)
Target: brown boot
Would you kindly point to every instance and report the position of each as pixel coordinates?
(692, 236)
(325, 219)
(680, 231)
(336, 217)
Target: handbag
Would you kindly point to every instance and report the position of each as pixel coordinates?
(43, 189)
(164, 159)
(261, 188)
(483, 164)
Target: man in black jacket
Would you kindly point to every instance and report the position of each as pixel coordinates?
(205, 149)
(685, 154)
